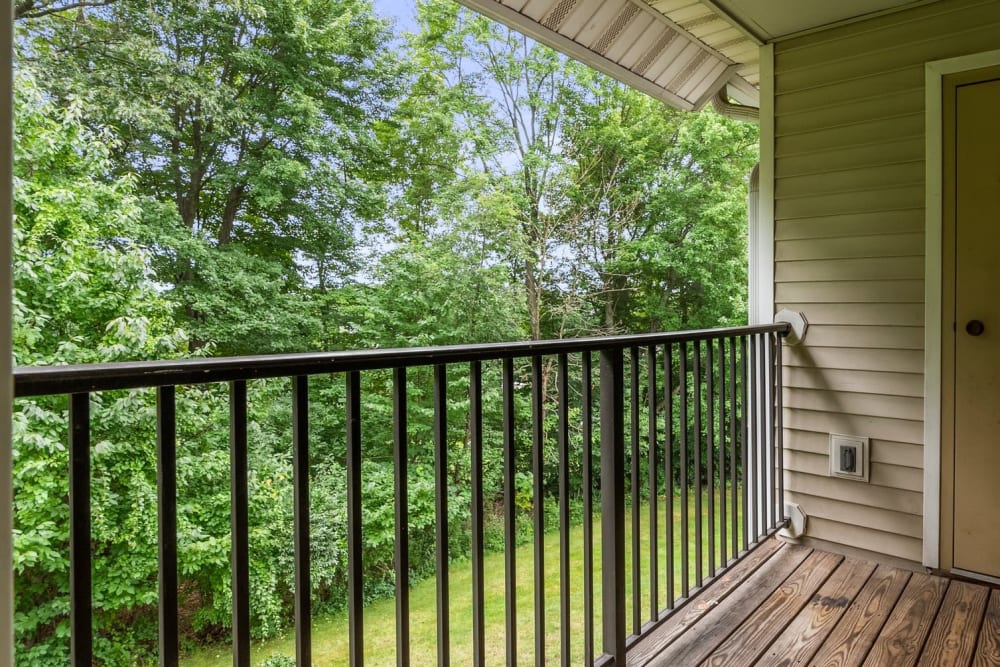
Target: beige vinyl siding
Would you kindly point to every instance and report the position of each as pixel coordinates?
(849, 253)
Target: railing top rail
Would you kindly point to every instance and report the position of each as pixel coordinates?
(49, 380)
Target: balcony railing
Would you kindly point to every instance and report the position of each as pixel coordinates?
(711, 401)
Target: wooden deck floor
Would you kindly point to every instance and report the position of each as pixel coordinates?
(790, 605)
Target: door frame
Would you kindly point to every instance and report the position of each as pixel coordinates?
(937, 544)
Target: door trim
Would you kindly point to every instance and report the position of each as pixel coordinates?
(934, 73)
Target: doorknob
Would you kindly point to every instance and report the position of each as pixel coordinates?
(974, 328)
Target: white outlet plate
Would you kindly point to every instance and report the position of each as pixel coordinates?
(863, 464)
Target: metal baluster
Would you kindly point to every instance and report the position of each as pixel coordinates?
(300, 504)
(239, 522)
(441, 511)
(734, 445)
(654, 535)
(683, 428)
(710, 451)
(402, 527)
(744, 444)
(80, 585)
(355, 571)
(723, 525)
(763, 410)
(699, 491)
(668, 467)
(564, 599)
(509, 518)
(779, 428)
(478, 577)
(166, 489)
(613, 504)
(586, 399)
(753, 461)
(538, 500)
(634, 458)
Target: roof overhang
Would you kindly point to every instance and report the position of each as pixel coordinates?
(684, 52)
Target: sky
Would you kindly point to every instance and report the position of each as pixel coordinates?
(400, 10)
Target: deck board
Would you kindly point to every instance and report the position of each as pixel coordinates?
(852, 638)
(785, 605)
(705, 601)
(805, 635)
(691, 648)
(956, 628)
(756, 633)
(902, 637)
(988, 651)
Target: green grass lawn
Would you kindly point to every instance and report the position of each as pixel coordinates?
(330, 646)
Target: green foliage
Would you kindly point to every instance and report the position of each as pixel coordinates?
(254, 121)
(235, 178)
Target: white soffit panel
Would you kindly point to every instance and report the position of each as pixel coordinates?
(638, 43)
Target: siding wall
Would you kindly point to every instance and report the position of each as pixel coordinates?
(849, 246)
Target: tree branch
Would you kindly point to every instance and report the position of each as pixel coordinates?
(33, 9)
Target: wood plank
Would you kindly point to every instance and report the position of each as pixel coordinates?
(757, 632)
(805, 634)
(854, 635)
(693, 647)
(988, 651)
(903, 635)
(953, 636)
(680, 621)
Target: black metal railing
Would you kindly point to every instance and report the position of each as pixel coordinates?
(711, 455)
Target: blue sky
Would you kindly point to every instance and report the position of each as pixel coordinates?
(400, 10)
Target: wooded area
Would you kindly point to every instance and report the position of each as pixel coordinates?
(260, 176)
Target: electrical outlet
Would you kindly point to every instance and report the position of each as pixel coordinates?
(849, 456)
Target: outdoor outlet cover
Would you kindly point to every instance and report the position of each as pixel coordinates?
(849, 457)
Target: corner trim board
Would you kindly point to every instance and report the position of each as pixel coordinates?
(761, 232)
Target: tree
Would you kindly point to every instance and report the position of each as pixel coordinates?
(83, 293)
(657, 201)
(254, 120)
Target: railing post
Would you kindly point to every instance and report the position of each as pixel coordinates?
(613, 504)
(239, 522)
(300, 519)
(80, 592)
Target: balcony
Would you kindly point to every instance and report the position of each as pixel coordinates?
(702, 487)
(785, 604)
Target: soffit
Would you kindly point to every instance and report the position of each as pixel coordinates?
(680, 51)
(633, 42)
